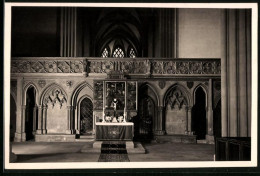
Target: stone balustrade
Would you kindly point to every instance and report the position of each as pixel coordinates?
(138, 66)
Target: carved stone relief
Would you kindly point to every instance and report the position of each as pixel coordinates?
(176, 99)
(190, 84)
(41, 83)
(162, 84)
(128, 66)
(55, 96)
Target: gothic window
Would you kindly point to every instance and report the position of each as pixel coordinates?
(105, 53)
(132, 53)
(118, 52)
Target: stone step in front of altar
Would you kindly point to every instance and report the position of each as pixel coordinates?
(85, 138)
(131, 147)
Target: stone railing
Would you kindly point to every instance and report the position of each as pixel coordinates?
(128, 66)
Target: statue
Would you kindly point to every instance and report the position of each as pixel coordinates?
(115, 102)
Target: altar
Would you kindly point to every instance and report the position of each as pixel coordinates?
(114, 131)
(116, 104)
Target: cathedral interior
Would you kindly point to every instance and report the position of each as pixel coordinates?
(138, 75)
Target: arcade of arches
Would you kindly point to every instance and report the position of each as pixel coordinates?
(185, 84)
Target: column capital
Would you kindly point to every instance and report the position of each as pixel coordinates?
(160, 108)
(23, 106)
(188, 108)
(69, 107)
(44, 107)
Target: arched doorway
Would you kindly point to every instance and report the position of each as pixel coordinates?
(217, 120)
(12, 118)
(86, 117)
(199, 114)
(30, 105)
(146, 117)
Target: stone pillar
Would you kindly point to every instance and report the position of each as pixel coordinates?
(235, 70)
(18, 132)
(166, 28)
(68, 31)
(209, 136)
(69, 120)
(188, 127)
(34, 119)
(23, 122)
(39, 129)
(72, 124)
(44, 119)
(159, 126)
(224, 93)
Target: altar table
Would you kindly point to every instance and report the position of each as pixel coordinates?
(114, 131)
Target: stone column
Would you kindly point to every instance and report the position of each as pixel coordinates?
(39, 129)
(44, 119)
(209, 136)
(166, 30)
(23, 122)
(18, 132)
(236, 70)
(224, 65)
(68, 31)
(69, 120)
(188, 127)
(72, 124)
(34, 119)
(159, 126)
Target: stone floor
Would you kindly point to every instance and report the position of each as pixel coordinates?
(31, 152)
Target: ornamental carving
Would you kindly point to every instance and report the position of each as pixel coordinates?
(56, 96)
(162, 84)
(46, 66)
(190, 84)
(129, 66)
(41, 83)
(176, 99)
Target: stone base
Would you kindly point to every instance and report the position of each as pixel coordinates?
(176, 138)
(210, 139)
(159, 132)
(55, 138)
(19, 137)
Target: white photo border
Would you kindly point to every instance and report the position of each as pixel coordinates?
(96, 165)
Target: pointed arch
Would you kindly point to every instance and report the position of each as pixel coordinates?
(26, 87)
(182, 89)
(142, 86)
(49, 88)
(204, 88)
(75, 93)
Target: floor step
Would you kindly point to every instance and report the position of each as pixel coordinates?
(87, 137)
(201, 142)
(84, 140)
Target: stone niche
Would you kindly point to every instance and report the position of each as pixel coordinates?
(56, 116)
(176, 120)
(176, 113)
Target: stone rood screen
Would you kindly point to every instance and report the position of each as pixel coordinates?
(154, 67)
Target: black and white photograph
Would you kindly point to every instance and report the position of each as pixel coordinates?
(155, 85)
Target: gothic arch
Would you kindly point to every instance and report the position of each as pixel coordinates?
(153, 89)
(75, 93)
(77, 117)
(30, 84)
(183, 91)
(50, 88)
(204, 88)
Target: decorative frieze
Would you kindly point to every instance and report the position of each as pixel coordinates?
(55, 96)
(129, 66)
